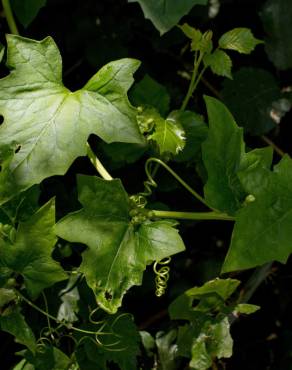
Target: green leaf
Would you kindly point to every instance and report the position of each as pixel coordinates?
(120, 346)
(69, 297)
(30, 253)
(276, 17)
(193, 34)
(251, 97)
(150, 92)
(6, 296)
(24, 365)
(48, 124)
(168, 134)
(222, 153)
(148, 342)
(239, 39)
(245, 308)
(262, 231)
(15, 324)
(212, 295)
(165, 14)
(49, 358)
(219, 62)
(118, 249)
(196, 132)
(27, 10)
(214, 341)
(167, 349)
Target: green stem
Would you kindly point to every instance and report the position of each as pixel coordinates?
(178, 178)
(97, 164)
(192, 215)
(9, 17)
(194, 81)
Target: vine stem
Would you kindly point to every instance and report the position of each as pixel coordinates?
(194, 81)
(191, 215)
(97, 164)
(177, 177)
(9, 17)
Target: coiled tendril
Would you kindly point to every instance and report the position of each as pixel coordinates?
(162, 275)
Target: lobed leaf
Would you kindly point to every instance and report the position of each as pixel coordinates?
(118, 250)
(48, 125)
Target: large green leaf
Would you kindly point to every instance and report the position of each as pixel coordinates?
(49, 358)
(27, 10)
(118, 248)
(262, 231)
(15, 324)
(276, 17)
(47, 124)
(29, 253)
(165, 14)
(239, 39)
(251, 97)
(222, 153)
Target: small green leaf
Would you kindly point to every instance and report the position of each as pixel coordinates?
(168, 134)
(193, 34)
(165, 14)
(222, 153)
(30, 253)
(167, 349)
(262, 231)
(150, 92)
(147, 341)
(219, 62)
(239, 39)
(46, 124)
(15, 324)
(212, 294)
(27, 10)
(118, 249)
(69, 297)
(246, 308)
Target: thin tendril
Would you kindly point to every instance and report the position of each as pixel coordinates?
(162, 276)
(150, 183)
(48, 318)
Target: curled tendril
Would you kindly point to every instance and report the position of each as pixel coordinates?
(162, 275)
(92, 313)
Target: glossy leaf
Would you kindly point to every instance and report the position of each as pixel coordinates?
(15, 324)
(239, 39)
(262, 231)
(276, 17)
(47, 124)
(251, 97)
(165, 14)
(118, 250)
(169, 135)
(219, 62)
(27, 10)
(29, 254)
(222, 153)
(149, 92)
(196, 132)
